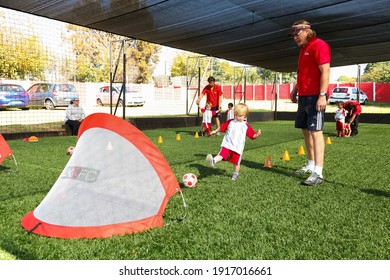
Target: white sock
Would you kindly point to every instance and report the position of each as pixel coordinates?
(310, 164)
(318, 170)
(217, 158)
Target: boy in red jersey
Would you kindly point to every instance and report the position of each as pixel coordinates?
(214, 95)
(312, 86)
(354, 110)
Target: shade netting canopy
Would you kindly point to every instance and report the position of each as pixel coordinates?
(116, 182)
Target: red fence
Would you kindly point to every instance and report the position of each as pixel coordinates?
(375, 92)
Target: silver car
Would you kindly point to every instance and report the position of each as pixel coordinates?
(51, 95)
(347, 93)
(133, 97)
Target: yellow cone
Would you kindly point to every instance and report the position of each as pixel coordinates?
(286, 156)
(196, 135)
(178, 138)
(328, 141)
(301, 150)
(268, 162)
(159, 139)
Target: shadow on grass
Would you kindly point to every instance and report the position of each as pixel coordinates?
(206, 171)
(4, 168)
(376, 192)
(275, 169)
(15, 250)
(186, 132)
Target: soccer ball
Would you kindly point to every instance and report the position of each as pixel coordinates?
(189, 180)
(69, 151)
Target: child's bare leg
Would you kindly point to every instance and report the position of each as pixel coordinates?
(217, 158)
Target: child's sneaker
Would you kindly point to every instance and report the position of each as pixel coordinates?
(210, 161)
(235, 176)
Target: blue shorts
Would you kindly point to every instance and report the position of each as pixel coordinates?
(307, 115)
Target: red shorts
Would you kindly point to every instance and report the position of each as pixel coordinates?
(235, 158)
(339, 125)
(207, 125)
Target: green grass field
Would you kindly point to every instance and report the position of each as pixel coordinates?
(266, 214)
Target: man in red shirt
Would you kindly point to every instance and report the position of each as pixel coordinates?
(354, 110)
(214, 95)
(312, 86)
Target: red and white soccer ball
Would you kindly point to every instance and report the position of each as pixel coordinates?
(70, 150)
(189, 180)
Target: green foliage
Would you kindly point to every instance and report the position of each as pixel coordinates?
(92, 51)
(145, 56)
(22, 57)
(346, 79)
(266, 214)
(378, 72)
(185, 63)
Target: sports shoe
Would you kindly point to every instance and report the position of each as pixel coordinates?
(210, 161)
(235, 176)
(313, 180)
(304, 170)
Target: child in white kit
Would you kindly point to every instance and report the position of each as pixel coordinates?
(233, 142)
(230, 112)
(340, 119)
(207, 116)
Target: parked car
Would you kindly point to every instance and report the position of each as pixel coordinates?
(346, 94)
(52, 95)
(13, 96)
(133, 97)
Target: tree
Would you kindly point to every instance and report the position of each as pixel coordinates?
(145, 56)
(92, 50)
(377, 72)
(346, 79)
(21, 57)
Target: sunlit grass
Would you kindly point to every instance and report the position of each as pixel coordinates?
(266, 214)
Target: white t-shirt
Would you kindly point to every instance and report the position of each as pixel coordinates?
(207, 115)
(230, 115)
(235, 135)
(340, 114)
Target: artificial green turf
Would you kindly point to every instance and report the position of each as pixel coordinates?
(266, 214)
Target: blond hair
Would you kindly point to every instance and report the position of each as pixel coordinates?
(241, 109)
(310, 31)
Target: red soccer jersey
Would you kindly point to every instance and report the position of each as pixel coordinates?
(357, 109)
(212, 94)
(316, 52)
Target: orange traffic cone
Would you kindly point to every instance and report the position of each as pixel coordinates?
(196, 135)
(268, 162)
(286, 156)
(301, 151)
(328, 141)
(178, 138)
(160, 140)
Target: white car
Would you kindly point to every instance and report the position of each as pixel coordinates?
(347, 93)
(133, 97)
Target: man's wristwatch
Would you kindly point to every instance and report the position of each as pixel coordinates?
(322, 93)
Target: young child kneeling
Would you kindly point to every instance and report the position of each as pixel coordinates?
(233, 142)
